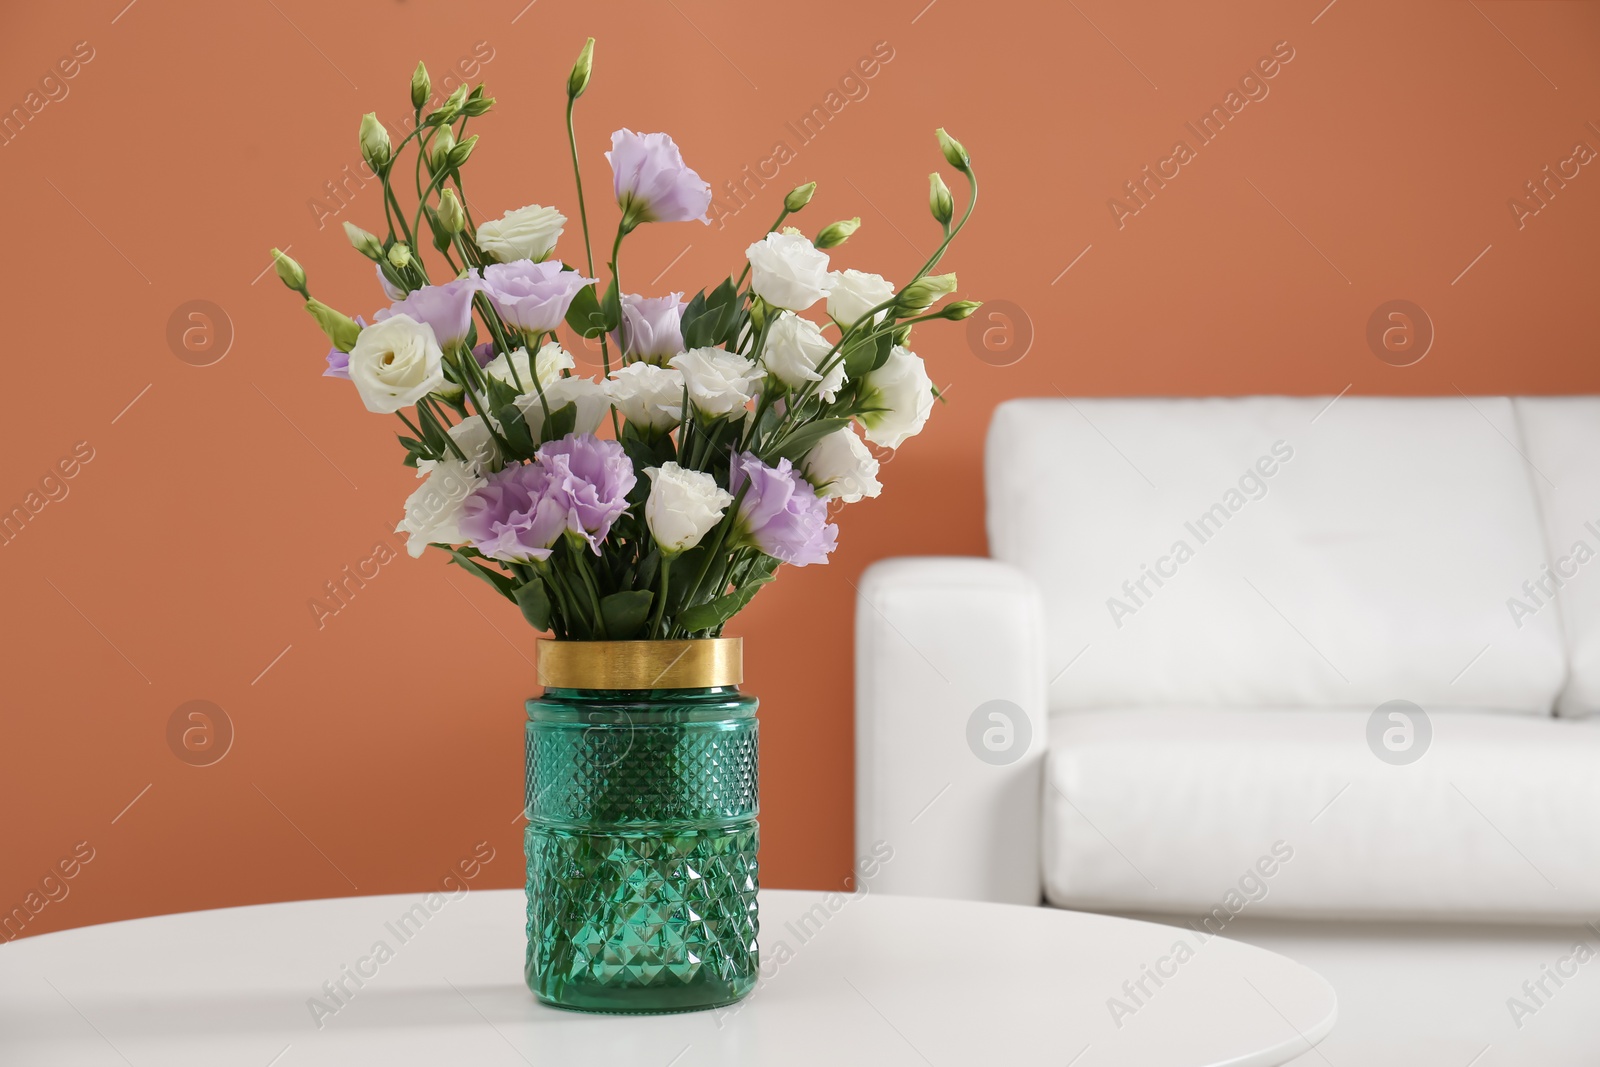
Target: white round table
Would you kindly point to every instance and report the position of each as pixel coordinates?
(846, 980)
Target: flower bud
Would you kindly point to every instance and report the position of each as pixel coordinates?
(452, 219)
(374, 141)
(954, 154)
(400, 256)
(290, 271)
(578, 80)
(462, 152)
(837, 233)
(939, 201)
(921, 294)
(439, 148)
(957, 310)
(477, 103)
(340, 328)
(364, 242)
(799, 197)
(421, 86)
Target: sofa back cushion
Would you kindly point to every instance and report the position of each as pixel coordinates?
(1561, 437)
(1266, 551)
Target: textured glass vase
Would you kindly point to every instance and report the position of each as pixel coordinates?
(641, 846)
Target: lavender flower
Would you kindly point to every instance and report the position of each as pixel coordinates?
(593, 478)
(447, 308)
(651, 181)
(652, 327)
(780, 513)
(339, 362)
(532, 296)
(389, 290)
(517, 516)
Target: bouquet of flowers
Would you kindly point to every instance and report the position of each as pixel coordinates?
(656, 501)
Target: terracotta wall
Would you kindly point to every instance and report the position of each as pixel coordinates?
(1370, 152)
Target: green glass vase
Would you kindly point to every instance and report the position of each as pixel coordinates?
(641, 846)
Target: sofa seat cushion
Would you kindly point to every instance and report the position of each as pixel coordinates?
(1276, 551)
(1285, 812)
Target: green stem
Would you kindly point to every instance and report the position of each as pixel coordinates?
(661, 597)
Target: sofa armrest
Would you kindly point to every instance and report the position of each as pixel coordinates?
(951, 726)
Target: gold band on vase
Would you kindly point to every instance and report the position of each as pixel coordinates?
(695, 664)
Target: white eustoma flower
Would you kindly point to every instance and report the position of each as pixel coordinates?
(720, 382)
(683, 506)
(897, 398)
(527, 233)
(588, 396)
(787, 271)
(840, 466)
(396, 363)
(433, 512)
(647, 395)
(793, 350)
(853, 293)
(475, 441)
(550, 362)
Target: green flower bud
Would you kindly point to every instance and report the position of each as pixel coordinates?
(954, 154)
(364, 242)
(400, 256)
(421, 86)
(921, 294)
(799, 197)
(957, 310)
(578, 80)
(452, 219)
(462, 152)
(439, 148)
(290, 271)
(477, 103)
(837, 233)
(939, 201)
(341, 329)
(374, 141)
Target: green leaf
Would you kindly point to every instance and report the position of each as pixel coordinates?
(584, 315)
(611, 306)
(714, 613)
(625, 613)
(866, 354)
(514, 429)
(560, 422)
(534, 601)
(502, 583)
(797, 444)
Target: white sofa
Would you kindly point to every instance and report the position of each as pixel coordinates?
(1167, 692)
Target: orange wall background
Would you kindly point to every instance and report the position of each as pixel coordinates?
(373, 753)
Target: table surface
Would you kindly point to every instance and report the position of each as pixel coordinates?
(867, 979)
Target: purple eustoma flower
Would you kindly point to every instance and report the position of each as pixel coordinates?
(652, 327)
(532, 296)
(651, 181)
(447, 308)
(517, 516)
(780, 513)
(593, 478)
(339, 362)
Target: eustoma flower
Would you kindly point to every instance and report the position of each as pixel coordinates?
(396, 363)
(516, 515)
(897, 398)
(841, 468)
(527, 233)
(651, 181)
(533, 297)
(779, 512)
(547, 365)
(588, 397)
(853, 293)
(720, 383)
(683, 506)
(594, 478)
(339, 362)
(446, 308)
(787, 271)
(652, 327)
(648, 396)
(434, 512)
(794, 348)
